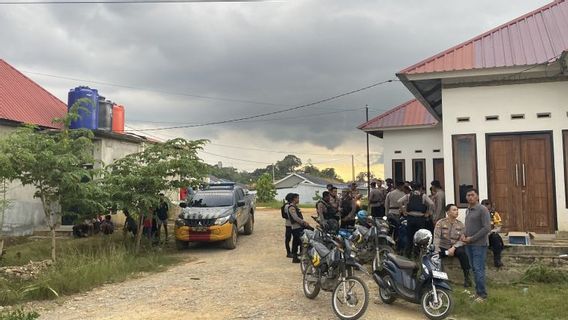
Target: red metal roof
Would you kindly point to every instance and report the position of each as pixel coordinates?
(537, 37)
(23, 100)
(409, 114)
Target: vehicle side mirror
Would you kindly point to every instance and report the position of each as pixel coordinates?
(241, 203)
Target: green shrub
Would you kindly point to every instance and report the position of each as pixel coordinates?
(538, 273)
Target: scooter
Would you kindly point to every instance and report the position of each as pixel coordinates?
(424, 284)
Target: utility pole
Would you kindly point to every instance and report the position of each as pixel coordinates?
(353, 167)
(368, 162)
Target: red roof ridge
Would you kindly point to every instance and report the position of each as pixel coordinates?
(388, 112)
(481, 36)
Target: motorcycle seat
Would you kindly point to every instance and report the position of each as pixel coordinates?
(402, 262)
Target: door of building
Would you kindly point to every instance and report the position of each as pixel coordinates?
(520, 176)
(439, 171)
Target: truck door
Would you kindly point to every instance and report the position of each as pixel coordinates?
(241, 216)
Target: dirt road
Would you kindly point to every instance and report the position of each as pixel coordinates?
(254, 281)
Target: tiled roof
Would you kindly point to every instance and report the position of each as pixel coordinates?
(22, 100)
(537, 37)
(409, 114)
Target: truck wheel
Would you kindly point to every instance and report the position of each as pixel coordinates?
(180, 245)
(249, 226)
(231, 243)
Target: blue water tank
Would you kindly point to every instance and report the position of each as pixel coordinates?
(88, 119)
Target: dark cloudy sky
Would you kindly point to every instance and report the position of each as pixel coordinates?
(247, 58)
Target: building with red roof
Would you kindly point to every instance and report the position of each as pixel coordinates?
(497, 110)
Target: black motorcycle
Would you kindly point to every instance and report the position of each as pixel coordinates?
(424, 284)
(333, 270)
(371, 241)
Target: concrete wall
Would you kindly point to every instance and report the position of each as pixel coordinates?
(408, 141)
(108, 150)
(529, 99)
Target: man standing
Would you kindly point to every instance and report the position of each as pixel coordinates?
(325, 210)
(377, 199)
(477, 228)
(334, 199)
(417, 205)
(392, 208)
(390, 185)
(439, 201)
(162, 213)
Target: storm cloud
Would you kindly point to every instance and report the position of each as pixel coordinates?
(257, 56)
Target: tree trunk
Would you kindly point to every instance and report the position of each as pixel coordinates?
(52, 227)
(139, 232)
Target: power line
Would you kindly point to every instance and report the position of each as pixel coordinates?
(231, 158)
(272, 112)
(165, 92)
(118, 2)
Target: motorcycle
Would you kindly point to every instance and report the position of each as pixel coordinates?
(372, 241)
(333, 270)
(425, 284)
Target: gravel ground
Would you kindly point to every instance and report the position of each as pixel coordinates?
(254, 281)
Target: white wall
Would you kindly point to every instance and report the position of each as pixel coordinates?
(108, 150)
(306, 192)
(481, 101)
(408, 141)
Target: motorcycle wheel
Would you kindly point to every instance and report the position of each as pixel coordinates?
(386, 294)
(440, 310)
(310, 283)
(356, 297)
(378, 259)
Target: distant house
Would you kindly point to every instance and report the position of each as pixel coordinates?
(24, 101)
(491, 113)
(307, 185)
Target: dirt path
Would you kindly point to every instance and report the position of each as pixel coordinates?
(254, 281)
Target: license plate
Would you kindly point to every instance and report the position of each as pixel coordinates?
(440, 275)
(199, 229)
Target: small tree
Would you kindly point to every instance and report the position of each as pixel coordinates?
(51, 161)
(7, 174)
(135, 181)
(265, 190)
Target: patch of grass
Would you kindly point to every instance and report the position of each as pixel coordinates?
(514, 302)
(82, 265)
(19, 314)
(274, 204)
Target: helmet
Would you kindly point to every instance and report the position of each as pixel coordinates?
(422, 237)
(362, 215)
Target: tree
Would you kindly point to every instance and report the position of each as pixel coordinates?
(362, 177)
(265, 190)
(7, 174)
(289, 164)
(51, 161)
(135, 181)
(330, 173)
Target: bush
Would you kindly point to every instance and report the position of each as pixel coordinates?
(539, 273)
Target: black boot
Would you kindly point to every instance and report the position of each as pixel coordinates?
(466, 279)
(295, 259)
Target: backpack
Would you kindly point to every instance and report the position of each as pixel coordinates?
(284, 211)
(416, 203)
(330, 212)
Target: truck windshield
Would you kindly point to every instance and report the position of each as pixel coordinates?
(212, 199)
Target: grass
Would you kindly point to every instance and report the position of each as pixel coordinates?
(82, 265)
(539, 294)
(275, 204)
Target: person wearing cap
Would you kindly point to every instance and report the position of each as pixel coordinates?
(418, 207)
